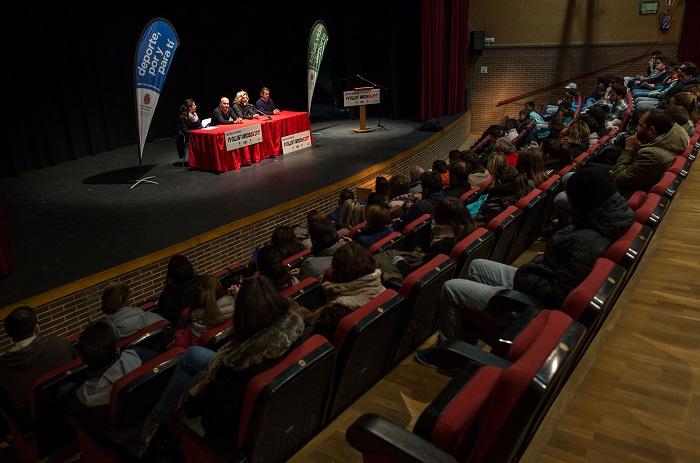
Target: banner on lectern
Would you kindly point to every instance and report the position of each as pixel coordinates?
(361, 97)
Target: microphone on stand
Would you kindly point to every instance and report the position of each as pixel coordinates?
(269, 117)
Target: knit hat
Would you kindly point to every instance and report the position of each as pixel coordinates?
(589, 187)
(571, 85)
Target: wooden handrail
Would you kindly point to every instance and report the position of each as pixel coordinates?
(559, 83)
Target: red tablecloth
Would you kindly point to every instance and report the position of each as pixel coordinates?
(208, 147)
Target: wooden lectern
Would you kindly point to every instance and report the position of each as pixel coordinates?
(363, 114)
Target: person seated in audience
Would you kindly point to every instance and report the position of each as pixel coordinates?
(453, 156)
(88, 404)
(265, 104)
(431, 186)
(398, 192)
(619, 106)
(507, 149)
(600, 215)
(376, 198)
(540, 128)
(188, 120)
(352, 213)
(124, 319)
(302, 231)
(211, 306)
(596, 113)
(452, 224)
(266, 327)
(689, 77)
(577, 137)
(557, 154)
(568, 96)
(530, 167)
(441, 167)
(355, 279)
(416, 174)
(593, 127)
(649, 152)
(223, 114)
(651, 68)
(679, 115)
(477, 172)
(325, 243)
(511, 127)
(503, 191)
(30, 355)
(344, 195)
(459, 180)
(241, 108)
(689, 102)
(378, 225)
(657, 75)
(381, 186)
(270, 264)
(177, 294)
(286, 242)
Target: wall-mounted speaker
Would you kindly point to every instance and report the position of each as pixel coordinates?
(478, 40)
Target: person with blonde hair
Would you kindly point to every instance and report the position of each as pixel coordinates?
(211, 306)
(241, 108)
(577, 137)
(507, 149)
(351, 214)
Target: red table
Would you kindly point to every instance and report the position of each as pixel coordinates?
(208, 147)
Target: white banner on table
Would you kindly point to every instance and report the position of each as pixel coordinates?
(360, 97)
(244, 136)
(296, 142)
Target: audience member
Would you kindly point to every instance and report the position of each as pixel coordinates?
(431, 186)
(325, 243)
(344, 195)
(507, 149)
(378, 225)
(352, 213)
(124, 319)
(355, 280)
(649, 152)
(211, 306)
(285, 242)
(30, 355)
(477, 172)
(557, 154)
(270, 265)
(599, 216)
(440, 167)
(416, 174)
(266, 327)
(177, 294)
(459, 180)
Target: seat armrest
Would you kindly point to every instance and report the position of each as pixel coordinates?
(506, 339)
(507, 304)
(372, 434)
(457, 354)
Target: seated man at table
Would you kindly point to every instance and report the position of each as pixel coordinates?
(265, 103)
(242, 108)
(223, 114)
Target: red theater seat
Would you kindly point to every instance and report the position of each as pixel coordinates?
(505, 226)
(307, 293)
(533, 206)
(418, 232)
(652, 210)
(628, 249)
(393, 240)
(477, 245)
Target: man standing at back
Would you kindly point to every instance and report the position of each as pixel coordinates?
(30, 356)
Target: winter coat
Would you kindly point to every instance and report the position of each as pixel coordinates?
(199, 325)
(571, 252)
(128, 320)
(643, 167)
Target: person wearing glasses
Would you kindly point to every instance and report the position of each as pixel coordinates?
(189, 120)
(223, 114)
(242, 108)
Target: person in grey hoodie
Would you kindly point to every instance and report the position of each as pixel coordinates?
(30, 356)
(124, 319)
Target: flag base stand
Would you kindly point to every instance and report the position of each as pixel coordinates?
(149, 179)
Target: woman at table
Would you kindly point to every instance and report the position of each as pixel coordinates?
(189, 120)
(242, 108)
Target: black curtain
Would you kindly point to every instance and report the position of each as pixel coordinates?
(69, 72)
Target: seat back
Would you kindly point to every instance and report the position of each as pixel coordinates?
(527, 388)
(393, 240)
(357, 229)
(590, 301)
(135, 394)
(505, 226)
(418, 232)
(365, 343)
(297, 259)
(285, 406)
(230, 274)
(532, 205)
(470, 195)
(154, 336)
(307, 293)
(477, 245)
(421, 289)
(667, 186)
(217, 336)
(652, 210)
(628, 249)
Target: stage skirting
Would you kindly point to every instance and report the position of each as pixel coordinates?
(208, 146)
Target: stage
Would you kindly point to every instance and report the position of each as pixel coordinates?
(78, 218)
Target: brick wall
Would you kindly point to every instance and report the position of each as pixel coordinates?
(516, 69)
(70, 314)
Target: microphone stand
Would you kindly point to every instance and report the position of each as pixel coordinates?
(269, 117)
(379, 110)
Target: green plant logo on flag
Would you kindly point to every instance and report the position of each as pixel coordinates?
(317, 45)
